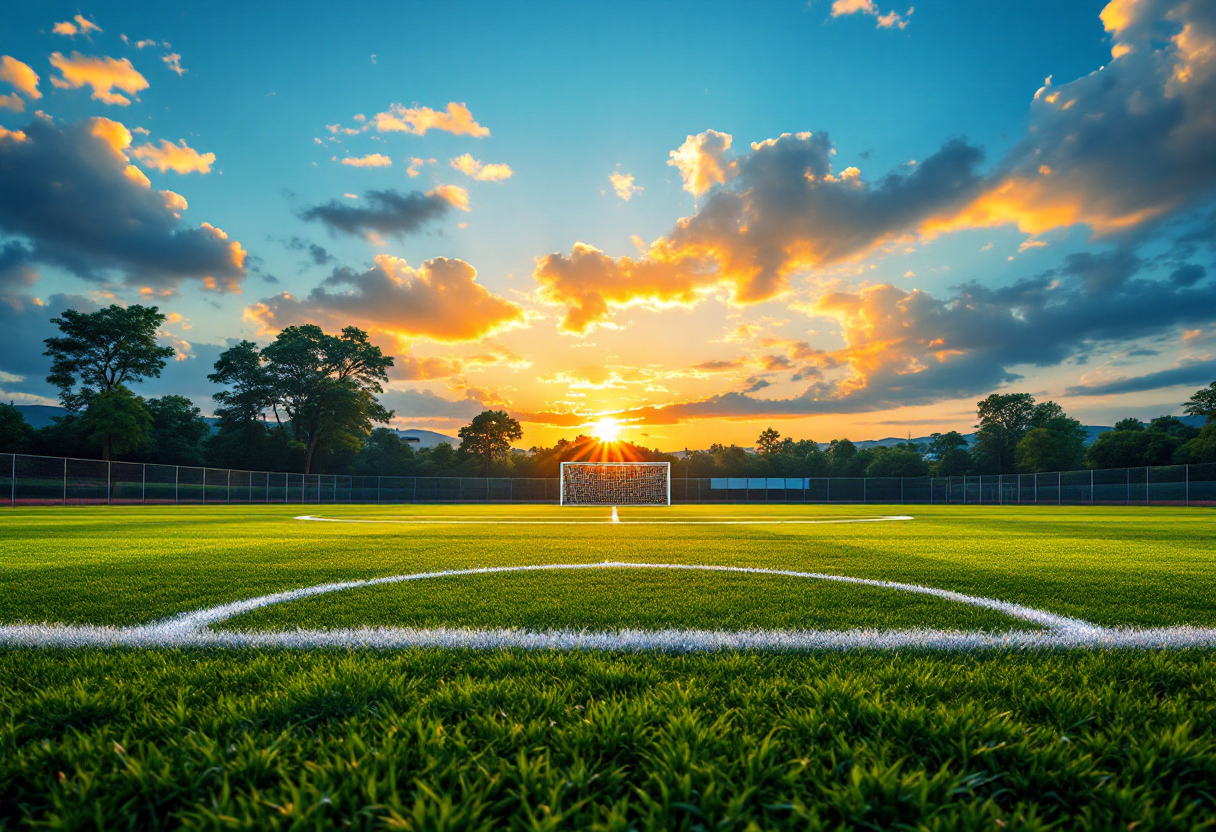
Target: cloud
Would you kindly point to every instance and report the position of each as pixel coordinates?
(701, 161)
(372, 160)
(17, 273)
(456, 120)
(1122, 147)
(71, 191)
(102, 74)
(409, 367)
(454, 195)
(387, 212)
(80, 26)
(439, 301)
(174, 62)
(908, 348)
(423, 404)
(178, 158)
(415, 166)
(591, 286)
(622, 183)
(23, 79)
(782, 211)
(891, 19)
(318, 254)
(469, 166)
(1196, 373)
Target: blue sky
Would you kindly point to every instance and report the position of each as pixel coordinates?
(573, 93)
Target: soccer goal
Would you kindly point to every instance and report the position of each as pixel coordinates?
(616, 484)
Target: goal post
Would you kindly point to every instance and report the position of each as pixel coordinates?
(615, 484)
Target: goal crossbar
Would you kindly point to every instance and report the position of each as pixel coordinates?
(615, 484)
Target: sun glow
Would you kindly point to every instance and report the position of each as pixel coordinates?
(606, 430)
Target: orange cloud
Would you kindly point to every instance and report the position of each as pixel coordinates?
(81, 26)
(439, 301)
(469, 166)
(175, 157)
(372, 160)
(100, 73)
(701, 161)
(454, 195)
(592, 285)
(23, 79)
(622, 183)
(457, 120)
(889, 20)
(174, 62)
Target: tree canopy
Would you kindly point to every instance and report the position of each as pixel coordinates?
(102, 350)
(489, 436)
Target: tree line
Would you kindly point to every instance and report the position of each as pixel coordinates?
(307, 402)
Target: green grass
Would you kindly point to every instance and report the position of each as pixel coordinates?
(428, 739)
(616, 599)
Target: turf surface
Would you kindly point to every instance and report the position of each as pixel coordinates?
(428, 739)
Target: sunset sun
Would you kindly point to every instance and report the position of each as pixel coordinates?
(607, 430)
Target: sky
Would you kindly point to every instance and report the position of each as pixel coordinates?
(835, 218)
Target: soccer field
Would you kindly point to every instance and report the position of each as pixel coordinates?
(920, 666)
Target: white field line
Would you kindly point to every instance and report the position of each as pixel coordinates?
(191, 629)
(615, 517)
(422, 521)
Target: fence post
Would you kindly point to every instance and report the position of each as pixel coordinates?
(414, 498)
(12, 497)
(1187, 474)
(65, 480)
(865, 495)
(204, 485)
(109, 479)
(143, 488)
(1091, 486)
(177, 476)
(229, 494)
(511, 491)
(901, 491)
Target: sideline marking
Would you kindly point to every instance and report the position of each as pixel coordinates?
(191, 629)
(492, 522)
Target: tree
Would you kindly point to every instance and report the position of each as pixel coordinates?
(178, 432)
(16, 434)
(949, 452)
(1042, 449)
(1131, 448)
(1173, 426)
(1200, 449)
(489, 435)
(769, 442)
(1131, 423)
(1004, 418)
(898, 462)
(103, 350)
(384, 454)
(117, 421)
(842, 459)
(324, 385)
(1203, 403)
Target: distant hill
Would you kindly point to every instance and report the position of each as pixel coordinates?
(426, 438)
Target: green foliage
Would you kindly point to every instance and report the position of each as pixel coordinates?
(1203, 403)
(116, 421)
(16, 435)
(1131, 423)
(385, 454)
(325, 386)
(105, 349)
(898, 462)
(1200, 449)
(1004, 418)
(489, 436)
(1173, 426)
(178, 433)
(1043, 449)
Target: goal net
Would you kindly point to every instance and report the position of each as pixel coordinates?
(616, 484)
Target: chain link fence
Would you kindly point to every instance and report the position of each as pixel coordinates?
(41, 480)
